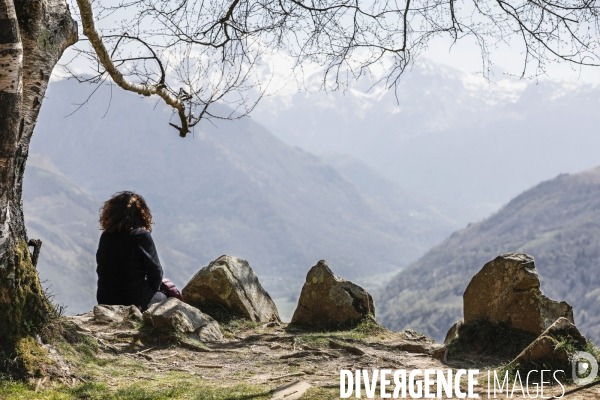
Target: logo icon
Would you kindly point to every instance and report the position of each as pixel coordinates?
(585, 368)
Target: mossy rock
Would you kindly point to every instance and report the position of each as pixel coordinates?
(552, 350)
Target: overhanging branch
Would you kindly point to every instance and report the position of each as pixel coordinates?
(159, 89)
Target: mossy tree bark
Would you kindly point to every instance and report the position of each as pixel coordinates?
(33, 36)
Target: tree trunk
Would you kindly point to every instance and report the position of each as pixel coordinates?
(33, 36)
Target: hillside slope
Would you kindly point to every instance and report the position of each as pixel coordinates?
(558, 222)
(229, 188)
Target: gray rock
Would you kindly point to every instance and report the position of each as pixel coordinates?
(175, 314)
(453, 331)
(108, 314)
(228, 287)
(329, 301)
(507, 290)
(291, 391)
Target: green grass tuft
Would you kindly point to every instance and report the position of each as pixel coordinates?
(12, 390)
(365, 329)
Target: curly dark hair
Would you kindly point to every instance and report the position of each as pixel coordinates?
(125, 211)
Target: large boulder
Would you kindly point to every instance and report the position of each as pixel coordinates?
(228, 287)
(507, 289)
(173, 314)
(329, 301)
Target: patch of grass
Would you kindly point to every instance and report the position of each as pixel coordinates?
(317, 340)
(237, 392)
(321, 393)
(238, 325)
(167, 389)
(592, 349)
(366, 328)
(88, 390)
(483, 337)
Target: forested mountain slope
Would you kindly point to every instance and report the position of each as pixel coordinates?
(557, 221)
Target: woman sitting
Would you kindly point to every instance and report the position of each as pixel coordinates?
(129, 271)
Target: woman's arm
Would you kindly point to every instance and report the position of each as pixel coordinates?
(152, 265)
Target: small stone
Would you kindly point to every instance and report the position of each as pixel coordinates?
(108, 314)
(291, 391)
(175, 314)
(438, 352)
(453, 331)
(422, 348)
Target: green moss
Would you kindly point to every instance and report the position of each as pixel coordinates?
(25, 310)
(31, 356)
(45, 43)
(369, 326)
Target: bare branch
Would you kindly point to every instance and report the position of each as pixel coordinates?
(89, 30)
(195, 53)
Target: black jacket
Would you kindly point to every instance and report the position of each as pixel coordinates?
(129, 271)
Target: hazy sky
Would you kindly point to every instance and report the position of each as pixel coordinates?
(465, 55)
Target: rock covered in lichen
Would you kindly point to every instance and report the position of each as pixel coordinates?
(110, 314)
(330, 301)
(229, 288)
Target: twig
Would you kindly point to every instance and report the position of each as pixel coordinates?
(40, 382)
(350, 349)
(275, 378)
(167, 356)
(144, 351)
(37, 245)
